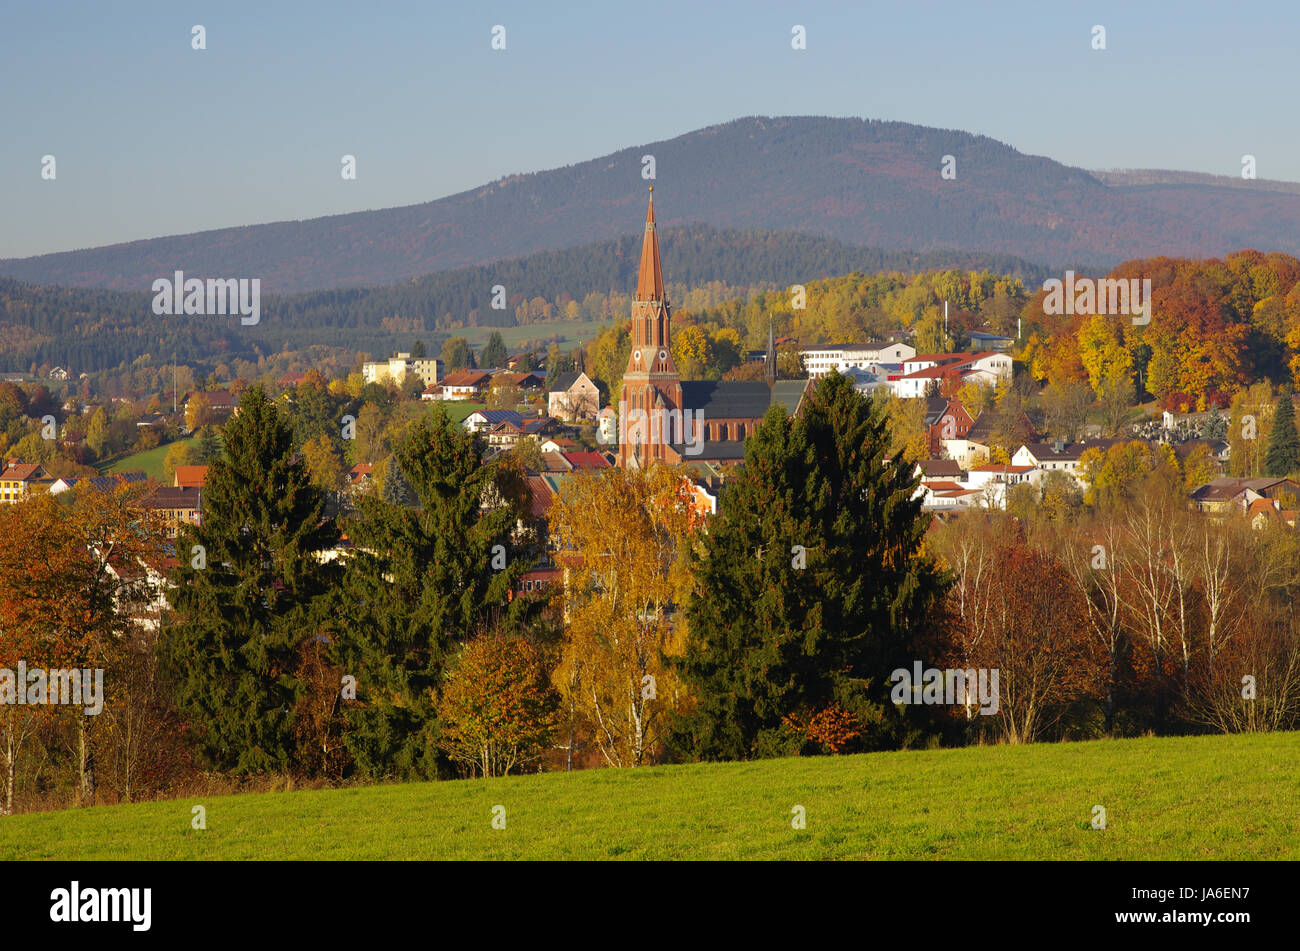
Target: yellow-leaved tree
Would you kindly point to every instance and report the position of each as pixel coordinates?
(623, 536)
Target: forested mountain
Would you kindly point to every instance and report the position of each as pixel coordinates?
(90, 329)
(863, 182)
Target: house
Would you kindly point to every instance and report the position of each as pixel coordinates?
(190, 477)
(461, 385)
(945, 419)
(506, 434)
(360, 477)
(584, 460)
(151, 421)
(397, 367)
(929, 469)
(941, 494)
(58, 373)
(607, 426)
(525, 383)
(108, 483)
(176, 506)
(1264, 512)
(1219, 449)
(703, 499)
(538, 580)
(1002, 473)
(991, 341)
(985, 368)
(486, 419)
(220, 405)
(972, 447)
(22, 480)
(572, 397)
(520, 360)
(141, 593)
(560, 444)
(1225, 495)
(867, 381)
(819, 360)
(528, 382)
(1059, 456)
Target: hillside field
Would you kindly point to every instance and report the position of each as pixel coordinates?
(150, 461)
(1216, 797)
(571, 333)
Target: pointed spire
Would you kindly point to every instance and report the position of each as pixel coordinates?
(650, 281)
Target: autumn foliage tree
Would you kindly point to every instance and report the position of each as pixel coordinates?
(498, 709)
(625, 534)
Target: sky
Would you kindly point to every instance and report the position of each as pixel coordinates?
(151, 137)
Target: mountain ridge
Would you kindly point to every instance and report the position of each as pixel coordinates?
(866, 182)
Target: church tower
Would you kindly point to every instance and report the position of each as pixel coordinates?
(650, 417)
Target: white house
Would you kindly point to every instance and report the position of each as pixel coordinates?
(921, 370)
(486, 419)
(823, 358)
(607, 427)
(1058, 456)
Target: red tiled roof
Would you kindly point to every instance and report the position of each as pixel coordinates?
(585, 460)
(466, 378)
(540, 496)
(191, 476)
(21, 471)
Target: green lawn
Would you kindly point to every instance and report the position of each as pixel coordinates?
(150, 462)
(457, 410)
(1222, 797)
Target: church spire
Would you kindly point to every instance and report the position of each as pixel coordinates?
(650, 281)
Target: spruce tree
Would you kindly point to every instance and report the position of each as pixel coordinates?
(250, 590)
(420, 582)
(494, 354)
(1283, 456)
(810, 583)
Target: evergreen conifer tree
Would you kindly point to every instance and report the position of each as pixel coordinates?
(494, 355)
(811, 586)
(250, 591)
(1283, 456)
(420, 582)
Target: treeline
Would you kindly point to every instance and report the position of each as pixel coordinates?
(91, 329)
(1133, 615)
(778, 630)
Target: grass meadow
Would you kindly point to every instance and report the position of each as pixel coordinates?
(1212, 797)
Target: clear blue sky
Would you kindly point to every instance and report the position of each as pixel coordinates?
(153, 138)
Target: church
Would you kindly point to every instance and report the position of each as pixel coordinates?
(663, 418)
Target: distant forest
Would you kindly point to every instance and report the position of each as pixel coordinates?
(89, 330)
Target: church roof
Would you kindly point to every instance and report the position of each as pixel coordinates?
(722, 450)
(740, 399)
(789, 393)
(726, 399)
